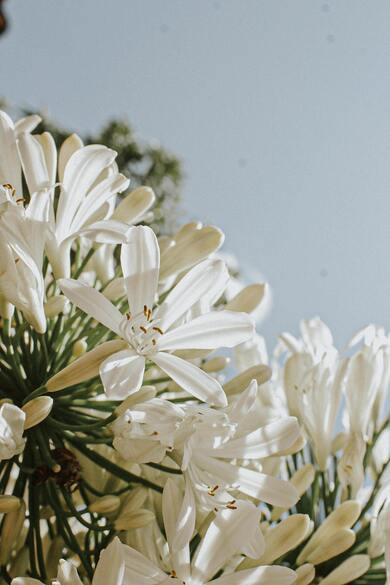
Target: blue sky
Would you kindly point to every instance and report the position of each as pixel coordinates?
(278, 109)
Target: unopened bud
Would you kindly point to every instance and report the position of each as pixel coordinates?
(56, 305)
(284, 537)
(85, 367)
(79, 348)
(342, 517)
(143, 395)
(339, 442)
(10, 532)
(37, 410)
(248, 299)
(260, 373)
(53, 556)
(305, 574)
(333, 546)
(215, 364)
(132, 520)
(105, 505)
(348, 571)
(9, 504)
(301, 480)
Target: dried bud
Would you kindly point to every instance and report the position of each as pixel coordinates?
(348, 571)
(9, 504)
(105, 505)
(37, 410)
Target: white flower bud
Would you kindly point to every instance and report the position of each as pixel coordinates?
(105, 505)
(332, 546)
(79, 348)
(261, 374)
(305, 574)
(37, 410)
(284, 537)
(348, 571)
(133, 520)
(56, 305)
(248, 299)
(215, 364)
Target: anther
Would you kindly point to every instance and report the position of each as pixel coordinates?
(128, 316)
(143, 329)
(160, 331)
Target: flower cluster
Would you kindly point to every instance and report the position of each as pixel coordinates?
(129, 453)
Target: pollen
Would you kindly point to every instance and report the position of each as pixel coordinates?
(128, 316)
(143, 329)
(231, 505)
(160, 331)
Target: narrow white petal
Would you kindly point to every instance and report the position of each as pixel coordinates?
(10, 168)
(25, 581)
(192, 287)
(179, 515)
(34, 163)
(111, 566)
(106, 231)
(264, 442)
(259, 576)
(140, 260)
(210, 331)
(68, 147)
(140, 570)
(192, 379)
(122, 374)
(226, 536)
(67, 574)
(263, 487)
(92, 302)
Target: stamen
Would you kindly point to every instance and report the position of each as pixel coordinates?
(143, 328)
(231, 505)
(160, 331)
(145, 310)
(128, 316)
(154, 341)
(149, 314)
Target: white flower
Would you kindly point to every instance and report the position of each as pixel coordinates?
(89, 181)
(11, 431)
(152, 335)
(22, 239)
(230, 533)
(212, 443)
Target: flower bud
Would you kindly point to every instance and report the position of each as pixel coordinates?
(248, 299)
(37, 410)
(305, 574)
(132, 520)
(143, 395)
(53, 556)
(56, 305)
(348, 571)
(105, 505)
(260, 373)
(10, 531)
(284, 537)
(215, 364)
(301, 480)
(85, 367)
(332, 546)
(9, 504)
(6, 308)
(79, 348)
(339, 442)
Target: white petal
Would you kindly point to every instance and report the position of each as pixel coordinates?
(106, 231)
(83, 169)
(192, 287)
(27, 124)
(34, 163)
(92, 302)
(259, 576)
(25, 581)
(68, 147)
(210, 331)
(264, 442)
(10, 168)
(122, 374)
(192, 379)
(111, 565)
(179, 515)
(140, 570)
(67, 574)
(140, 260)
(252, 483)
(227, 534)
(134, 206)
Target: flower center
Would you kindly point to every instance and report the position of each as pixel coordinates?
(141, 331)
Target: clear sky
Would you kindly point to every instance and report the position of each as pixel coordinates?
(279, 110)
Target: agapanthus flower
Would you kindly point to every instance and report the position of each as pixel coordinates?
(11, 431)
(152, 333)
